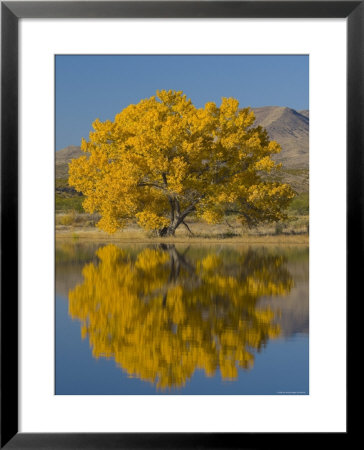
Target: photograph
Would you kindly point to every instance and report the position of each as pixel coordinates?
(181, 224)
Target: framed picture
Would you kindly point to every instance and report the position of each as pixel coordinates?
(140, 279)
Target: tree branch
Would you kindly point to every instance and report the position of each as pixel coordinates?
(188, 228)
(150, 184)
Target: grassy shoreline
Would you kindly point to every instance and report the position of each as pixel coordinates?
(136, 236)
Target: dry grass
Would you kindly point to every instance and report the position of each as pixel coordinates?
(74, 219)
(136, 235)
(82, 226)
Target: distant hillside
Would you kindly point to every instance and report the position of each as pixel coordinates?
(68, 153)
(67, 198)
(288, 127)
(305, 112)
(63, 157)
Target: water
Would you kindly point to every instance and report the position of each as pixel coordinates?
(165, 319)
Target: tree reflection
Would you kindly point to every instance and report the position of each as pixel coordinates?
(162, 314)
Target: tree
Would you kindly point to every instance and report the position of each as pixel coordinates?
(163, 159)
(161, 313)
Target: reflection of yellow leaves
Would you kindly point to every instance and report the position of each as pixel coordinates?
(149, 258)
(228, 369)
(210, 262)
(161, 317)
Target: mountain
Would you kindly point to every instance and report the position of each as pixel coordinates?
(288, 127)
(63, 157)
(68, 153)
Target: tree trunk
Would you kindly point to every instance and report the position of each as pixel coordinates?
(176, 222)
(167, 231)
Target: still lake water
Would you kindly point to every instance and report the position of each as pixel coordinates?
(183, 319)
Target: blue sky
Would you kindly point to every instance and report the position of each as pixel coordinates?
(100, 86)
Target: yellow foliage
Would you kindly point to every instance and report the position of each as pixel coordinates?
(163, 158)
(211, 216)
(151, 221)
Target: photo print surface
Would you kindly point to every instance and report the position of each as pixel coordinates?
(182, 222)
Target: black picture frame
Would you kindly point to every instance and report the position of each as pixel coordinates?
(11, 12)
